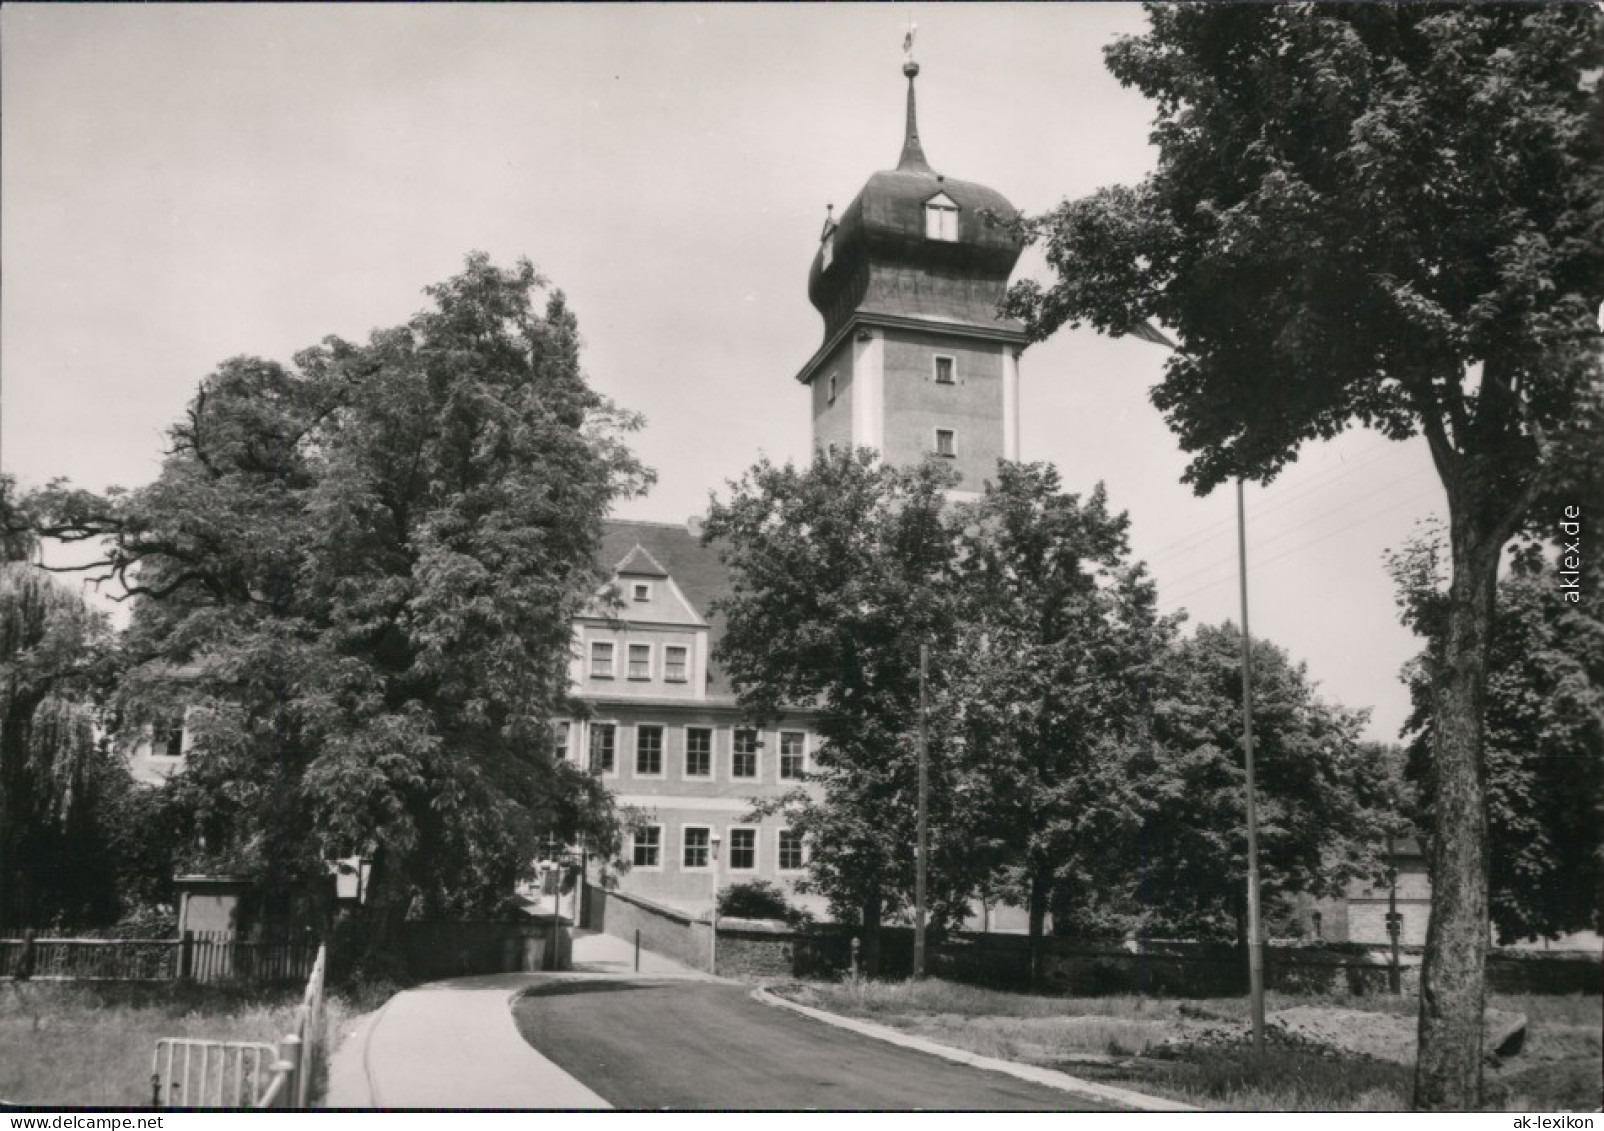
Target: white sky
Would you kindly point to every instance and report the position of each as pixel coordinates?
(184, 184)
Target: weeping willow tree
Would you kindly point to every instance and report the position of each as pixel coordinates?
(49, 762)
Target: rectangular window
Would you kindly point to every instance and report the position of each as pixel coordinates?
(698, 752)
(640, 661)
(790, 851)
(169, 741)
(743, 760)
(829, 390)
(649, 751)
(602, 749)
(601, 659)
(642, 590)
(946, 370)
(743, 850)
(694, 846)
(941, 222)
(946, 442)
(648, 847)
(674, 663)
(791, 747)
(559, 741)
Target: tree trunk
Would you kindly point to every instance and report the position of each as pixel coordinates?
(872, 910)
(1038, 920)
(1448, 1073)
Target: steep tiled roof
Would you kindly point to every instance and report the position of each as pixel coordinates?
(695, 568)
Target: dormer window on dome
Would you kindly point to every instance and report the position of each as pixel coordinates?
(828, 251)
(941, 218)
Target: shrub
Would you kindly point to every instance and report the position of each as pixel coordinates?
(755, 899)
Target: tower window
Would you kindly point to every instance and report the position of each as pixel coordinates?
(827, 253)
(941, 218)
(829, 390)
(946, 370)
(946, 442)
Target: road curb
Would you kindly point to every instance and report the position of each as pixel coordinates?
(1046, 1076)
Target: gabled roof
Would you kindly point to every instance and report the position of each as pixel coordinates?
(639, 563)
(696, 570)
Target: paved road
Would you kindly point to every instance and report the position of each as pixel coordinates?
(696, 1045)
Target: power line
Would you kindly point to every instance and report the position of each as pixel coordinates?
(1304, 545)
(1222, 527)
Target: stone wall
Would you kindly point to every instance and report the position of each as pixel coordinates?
(663, 930)
(444, 949)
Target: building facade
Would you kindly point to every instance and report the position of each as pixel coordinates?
(663, 729)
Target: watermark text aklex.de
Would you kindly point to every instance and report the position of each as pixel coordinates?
(1570, 556)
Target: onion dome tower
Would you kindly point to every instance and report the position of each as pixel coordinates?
(916, 360)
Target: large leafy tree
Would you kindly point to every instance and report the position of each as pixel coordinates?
(1061, 639)
(1387, 215)
(839, 570)
(1545, 735)
(1325, 803)
(355, 579)
(54, 774)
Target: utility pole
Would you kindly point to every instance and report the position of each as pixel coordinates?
(923, 847)
(1255, 932)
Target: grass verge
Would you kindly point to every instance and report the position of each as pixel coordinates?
(1140, 1043)
(89, 1044)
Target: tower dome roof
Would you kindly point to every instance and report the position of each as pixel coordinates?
(887, 255)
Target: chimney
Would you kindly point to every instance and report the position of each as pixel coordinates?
(694, 524)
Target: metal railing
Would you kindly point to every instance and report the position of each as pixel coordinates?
(245, 1074)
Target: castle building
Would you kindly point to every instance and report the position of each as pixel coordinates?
(663, 729)
(916, 360)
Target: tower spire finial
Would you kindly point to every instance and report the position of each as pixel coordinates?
(913, 154)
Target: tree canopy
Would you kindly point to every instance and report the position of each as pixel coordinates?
(354, 580)
(1387, 215)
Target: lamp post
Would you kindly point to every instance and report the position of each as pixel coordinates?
(713, 842)
(1150, 333)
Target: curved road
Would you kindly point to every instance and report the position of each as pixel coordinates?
(699, 1045)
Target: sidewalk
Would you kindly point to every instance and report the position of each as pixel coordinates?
(453, 1044)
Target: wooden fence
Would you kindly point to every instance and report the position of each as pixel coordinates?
(200, 956)
(244, 1074)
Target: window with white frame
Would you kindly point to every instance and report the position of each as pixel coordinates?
(698, 752)
(640, 661)
(743, 755)
(792, 858)
(792, 746)
(743, 850)
(649, 751)
(941, 218)
(601, 659)
(946, 442)
(676, 662)
(641, 590)
(603, 752)
(946, 369)
(647, 849)
(559, 740)
(694, 841)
